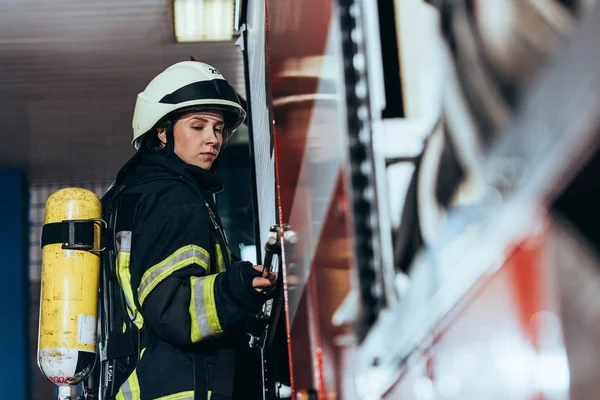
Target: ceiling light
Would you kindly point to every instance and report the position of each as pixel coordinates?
(203, 20)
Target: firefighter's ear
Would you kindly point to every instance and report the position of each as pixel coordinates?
(161, 132)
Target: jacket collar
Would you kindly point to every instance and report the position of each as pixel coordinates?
(160, 163)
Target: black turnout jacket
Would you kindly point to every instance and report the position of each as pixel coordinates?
(181, 283)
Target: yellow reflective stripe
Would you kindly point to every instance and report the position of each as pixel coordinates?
(220, 264)
(203, 309)
(189, 395)
(181, 258)
(124, 274)
(211, 305)
(219, 258)
(130, 389)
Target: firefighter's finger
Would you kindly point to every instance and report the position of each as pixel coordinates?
(272, 277)
(261, 283)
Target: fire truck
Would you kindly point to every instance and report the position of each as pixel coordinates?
(429, 166)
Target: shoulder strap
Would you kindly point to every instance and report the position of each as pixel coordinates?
(119, 337)
(219, 234)
(223, 381)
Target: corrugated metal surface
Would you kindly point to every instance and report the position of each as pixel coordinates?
(69, 74)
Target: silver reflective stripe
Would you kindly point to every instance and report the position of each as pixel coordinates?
(124, 241)
(126, 390)
(201, 316)
(170, 262)
(123, 245)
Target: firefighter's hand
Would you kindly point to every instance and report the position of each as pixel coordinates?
(264, 282)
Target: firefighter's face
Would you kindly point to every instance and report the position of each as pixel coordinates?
(198, 137)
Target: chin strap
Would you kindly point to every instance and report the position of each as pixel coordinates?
(170, 145)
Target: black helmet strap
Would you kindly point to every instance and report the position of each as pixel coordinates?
(203, 90)
(170, 145)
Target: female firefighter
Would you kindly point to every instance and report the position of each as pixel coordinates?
(181, 290)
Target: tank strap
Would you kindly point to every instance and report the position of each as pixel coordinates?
(119, 352)
(72, 234)
(223, 381)
(200, 377)
(126, 344)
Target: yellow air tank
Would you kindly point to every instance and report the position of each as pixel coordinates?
(69, 293)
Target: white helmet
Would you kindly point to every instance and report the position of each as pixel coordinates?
(182, 85)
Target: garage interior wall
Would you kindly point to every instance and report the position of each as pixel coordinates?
(15, 366)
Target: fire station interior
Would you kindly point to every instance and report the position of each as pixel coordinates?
(70, 73)
(456, 253)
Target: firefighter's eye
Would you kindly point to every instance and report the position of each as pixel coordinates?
(198, 128)
(219, 131)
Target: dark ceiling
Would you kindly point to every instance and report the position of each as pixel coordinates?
(70, 71)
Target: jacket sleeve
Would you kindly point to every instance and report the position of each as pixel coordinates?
(180, 301)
